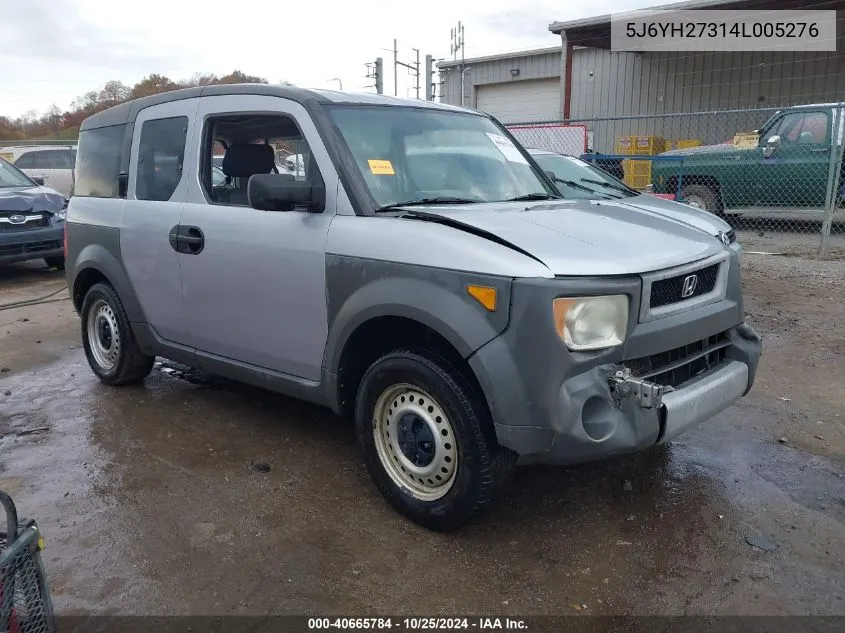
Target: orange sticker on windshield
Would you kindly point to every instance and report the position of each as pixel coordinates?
(381, 167)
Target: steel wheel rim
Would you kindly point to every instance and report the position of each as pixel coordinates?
(696, 202)
(405, 420)
(103, 335)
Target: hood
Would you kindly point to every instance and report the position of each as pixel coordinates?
(573, 237)
(36, 199)
(677, 211)
(722, 148)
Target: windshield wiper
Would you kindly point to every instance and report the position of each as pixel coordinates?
(425, 201)
(532, 196)
(609, 185)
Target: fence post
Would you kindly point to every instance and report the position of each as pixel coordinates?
(837, 151)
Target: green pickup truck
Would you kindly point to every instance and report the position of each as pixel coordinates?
(786, 172)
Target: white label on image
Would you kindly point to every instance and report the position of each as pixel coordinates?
(508, 149)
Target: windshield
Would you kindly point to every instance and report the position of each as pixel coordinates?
(414, 154)
(11, 176)
(578, 180)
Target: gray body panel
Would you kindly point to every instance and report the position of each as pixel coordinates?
(273, 297)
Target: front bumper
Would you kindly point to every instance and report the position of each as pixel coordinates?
(20, 246)
(553, 406)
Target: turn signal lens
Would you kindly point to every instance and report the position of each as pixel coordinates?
(591, 323)
(485, 295)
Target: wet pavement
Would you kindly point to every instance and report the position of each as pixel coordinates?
(151, 501)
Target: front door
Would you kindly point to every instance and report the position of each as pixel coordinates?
(155, 196)
(255, 292)
(795, 173)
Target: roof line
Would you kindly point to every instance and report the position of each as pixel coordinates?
(492, 58)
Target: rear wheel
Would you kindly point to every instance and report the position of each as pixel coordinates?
(701, 197)
(55, 262)
(110, 345)
(428, 440)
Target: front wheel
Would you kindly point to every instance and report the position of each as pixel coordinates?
(428, 440)
(701, 197)
(110, 345)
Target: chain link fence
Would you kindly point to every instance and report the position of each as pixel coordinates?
(776, 175)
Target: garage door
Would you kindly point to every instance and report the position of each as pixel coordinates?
(518, 101)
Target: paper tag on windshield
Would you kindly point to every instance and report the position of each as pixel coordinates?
(508, 149)
(381, 167)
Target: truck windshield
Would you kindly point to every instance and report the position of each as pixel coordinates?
(11, 176)
(416, 155)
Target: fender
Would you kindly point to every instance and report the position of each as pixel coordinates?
(435, 298)
(99, 255)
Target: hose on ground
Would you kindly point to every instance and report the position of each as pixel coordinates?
(36, 301)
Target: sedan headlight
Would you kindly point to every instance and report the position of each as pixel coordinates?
(62, 213)
(591, 323)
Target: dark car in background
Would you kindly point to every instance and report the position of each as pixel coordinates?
(32, 219)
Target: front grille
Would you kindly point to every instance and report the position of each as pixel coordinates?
(43, 221)
(677, 366)
(29, 247)
(672, 290)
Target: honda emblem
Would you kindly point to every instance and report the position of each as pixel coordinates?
(690, 283)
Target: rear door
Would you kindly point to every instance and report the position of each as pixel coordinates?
(155, 197)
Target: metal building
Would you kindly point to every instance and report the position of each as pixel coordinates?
(589, 81)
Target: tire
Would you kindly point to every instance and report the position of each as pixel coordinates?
(55, 262)
(701, 197)
(110, 345)
(467, 469)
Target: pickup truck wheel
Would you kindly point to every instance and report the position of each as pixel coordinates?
(428, 441)
(110, 346)
(701, 197)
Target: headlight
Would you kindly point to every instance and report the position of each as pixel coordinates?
(62, 213)
(590, 323)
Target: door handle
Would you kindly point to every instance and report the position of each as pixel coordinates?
(188, 240)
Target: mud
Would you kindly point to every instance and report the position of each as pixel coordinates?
(150, 505)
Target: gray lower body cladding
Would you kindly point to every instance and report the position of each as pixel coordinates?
(23, 245)
(553, 406)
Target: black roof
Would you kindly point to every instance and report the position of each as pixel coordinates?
(127, 111)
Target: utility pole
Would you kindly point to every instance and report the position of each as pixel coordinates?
(429, 78)
(458, 45)
(375, 71)
(413, 67)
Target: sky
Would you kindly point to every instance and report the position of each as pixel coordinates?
(52, 51)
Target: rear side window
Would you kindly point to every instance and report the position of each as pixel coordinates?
(161, 152)
(98, 162)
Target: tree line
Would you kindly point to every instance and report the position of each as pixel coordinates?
(58, 124)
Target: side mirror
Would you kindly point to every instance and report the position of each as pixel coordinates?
(38, 180)
(772, 144)
(280, 192)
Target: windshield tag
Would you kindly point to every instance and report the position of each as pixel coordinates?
(381, 167)
(508, 149)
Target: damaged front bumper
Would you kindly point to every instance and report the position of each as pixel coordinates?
(608, 410)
